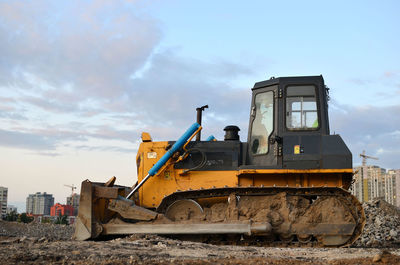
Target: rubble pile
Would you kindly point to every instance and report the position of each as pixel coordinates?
(50, 232)
(382, 227)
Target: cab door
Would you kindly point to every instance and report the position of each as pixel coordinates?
(262, 150)
(305, 122)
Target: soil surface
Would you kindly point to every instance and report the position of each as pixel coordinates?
(52, 244)
(148, 249)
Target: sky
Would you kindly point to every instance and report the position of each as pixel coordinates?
(80, 80)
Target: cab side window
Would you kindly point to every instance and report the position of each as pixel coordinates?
(301, 108)
(263, 123)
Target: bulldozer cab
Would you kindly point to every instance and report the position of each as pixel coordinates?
(288, 117)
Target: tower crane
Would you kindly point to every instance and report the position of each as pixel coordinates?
(365, 157)
(72, 188)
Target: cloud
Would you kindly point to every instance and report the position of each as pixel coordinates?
(65, 62)
(162, 101)
(6, 100)
(6, 106)
(48, 104)
(97, 64)
(359, 81)
(374, 129)
(170, 90)
(26, 141)
(49, 154)
(92, 46)
(107, 149)
(6, 114)
(384, 86)
(391, 74)
(110, 133)
(75, 71)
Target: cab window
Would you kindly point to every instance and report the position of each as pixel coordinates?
(263, 123)
(301, 108)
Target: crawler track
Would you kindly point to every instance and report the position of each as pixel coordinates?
(324, 203)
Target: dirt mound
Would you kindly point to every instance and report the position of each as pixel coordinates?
(382, 228)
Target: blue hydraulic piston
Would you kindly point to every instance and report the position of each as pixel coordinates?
(211, 138)
(176, 147)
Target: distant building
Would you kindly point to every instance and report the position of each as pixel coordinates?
(73, 200)
(371, 182)
(3, 201)
(11, 208)
(395, 183)
(39, 203)
(59, 209)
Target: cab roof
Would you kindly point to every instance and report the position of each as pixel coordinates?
(290, 80)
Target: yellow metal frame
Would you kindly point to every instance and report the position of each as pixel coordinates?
(169, 180)
(293, 171)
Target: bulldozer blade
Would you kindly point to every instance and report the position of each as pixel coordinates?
(93, 208)
(81, 231)
(83, 225)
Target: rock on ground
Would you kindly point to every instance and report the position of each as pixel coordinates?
(36, 230)
(382, 227)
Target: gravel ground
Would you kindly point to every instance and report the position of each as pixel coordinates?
(159, 250)
(382, 227)
(52, 244)
(49, 232)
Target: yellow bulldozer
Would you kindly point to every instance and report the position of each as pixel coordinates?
(288, 183)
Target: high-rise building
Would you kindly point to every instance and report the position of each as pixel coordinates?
(394, 181)
(3, 201)
(73, 200)
(371, 182)
(360, 185)
(39, 203)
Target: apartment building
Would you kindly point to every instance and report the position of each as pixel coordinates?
(73, 200)
(39, 203)
(3, 202)
(371, 182)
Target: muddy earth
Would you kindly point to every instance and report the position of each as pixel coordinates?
(52, 244)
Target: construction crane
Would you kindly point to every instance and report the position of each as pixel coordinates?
(72, 188)
(365, 157)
